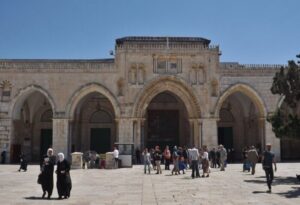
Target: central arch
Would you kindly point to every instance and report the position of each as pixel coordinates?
(170, 84)
(161, 100)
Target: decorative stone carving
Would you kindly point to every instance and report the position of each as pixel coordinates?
(141, 74)
(5, 90)
(133, 74)
(214, 87)
(167, 65)
(197, 74)
(137, 74)
(120, 85)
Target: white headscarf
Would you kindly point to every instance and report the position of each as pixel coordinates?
(48, 152)
(61, 156)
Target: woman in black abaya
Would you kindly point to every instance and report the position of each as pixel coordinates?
(46, 175)
(64, 184)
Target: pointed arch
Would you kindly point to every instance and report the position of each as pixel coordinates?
(172, 84)
(83, 91)
(23, 94)
(246, 90)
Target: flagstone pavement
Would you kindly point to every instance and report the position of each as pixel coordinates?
(131, 186)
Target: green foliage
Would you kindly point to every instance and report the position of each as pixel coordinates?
(285, 128)
(287, 83)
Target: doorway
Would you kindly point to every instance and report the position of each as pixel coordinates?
(225, 137)
(100, 140)
(163, 128)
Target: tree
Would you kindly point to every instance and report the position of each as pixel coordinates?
(286, 119)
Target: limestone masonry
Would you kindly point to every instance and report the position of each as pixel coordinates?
(156, 90)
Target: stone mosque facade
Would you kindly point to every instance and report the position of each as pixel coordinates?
(155, 91)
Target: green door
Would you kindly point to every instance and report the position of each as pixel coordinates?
(100, 140)
(225, 137)
(46, 141)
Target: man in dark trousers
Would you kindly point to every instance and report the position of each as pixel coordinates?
(268, 159)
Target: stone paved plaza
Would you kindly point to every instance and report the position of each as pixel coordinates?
(131, 186)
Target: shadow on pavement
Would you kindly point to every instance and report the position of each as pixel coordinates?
(39, 198)
(276, 181)
(259, 192)
(292, 193)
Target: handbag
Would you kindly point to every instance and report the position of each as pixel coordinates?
(39, 180)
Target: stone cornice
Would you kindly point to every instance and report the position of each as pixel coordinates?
(159, 47)
(106, 65)
(236, 69)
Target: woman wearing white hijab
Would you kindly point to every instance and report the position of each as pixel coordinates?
(63, 184)
(46, 175)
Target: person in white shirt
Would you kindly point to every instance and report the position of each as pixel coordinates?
(116, 157)
(194, 157)
(205, 162)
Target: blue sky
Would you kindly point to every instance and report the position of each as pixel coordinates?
(256, 31)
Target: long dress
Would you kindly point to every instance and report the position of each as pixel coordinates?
(47, 168)
(64, 184)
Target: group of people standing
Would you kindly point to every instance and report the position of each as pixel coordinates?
(251, 158)
(63, 184)
(182, 159)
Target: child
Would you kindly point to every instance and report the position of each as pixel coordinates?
(182, 165)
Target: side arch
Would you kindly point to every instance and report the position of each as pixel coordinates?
(83, 91)
(22, 95)
(248, 91)
(172, 84)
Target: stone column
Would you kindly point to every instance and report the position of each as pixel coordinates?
(6, 136)
(139, 124)
(191, 139)
(261, 130)
(271, 138)
(61, 136)
(195, 132)
(199, 123)
(125, 130)
(209, 132)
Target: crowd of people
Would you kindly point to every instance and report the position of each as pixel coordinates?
(184, 158)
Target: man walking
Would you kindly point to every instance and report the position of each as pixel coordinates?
(194, 158)
(253, 158)
(267, 161)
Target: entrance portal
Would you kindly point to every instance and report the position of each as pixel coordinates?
(225, 137)
(166, 122)
(163, 128)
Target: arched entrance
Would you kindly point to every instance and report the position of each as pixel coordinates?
(32, 114)
(163, 103)
(241, 120)
(166, 122)
(93, 126)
